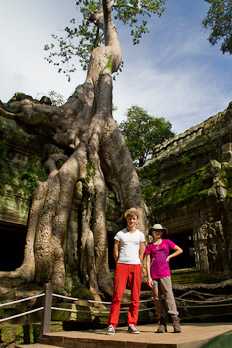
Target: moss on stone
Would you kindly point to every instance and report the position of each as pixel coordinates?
(185, 188)
(82, 292)
(20, 176)
(19, 334)
(195, 276)
(12, 130)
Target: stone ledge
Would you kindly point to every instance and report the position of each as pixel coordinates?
(192, 336)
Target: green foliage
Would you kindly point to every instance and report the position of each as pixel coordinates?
(6, 156)
(227, 176)
(31, 173)
(187, 188)
(131, 13)
(13, 335)
(109, 63)
(185, 160)
(143, 132)
(80, 39)
(56, 98)
(19, 174)
(219, 21)
(10, 335)
(91, 170)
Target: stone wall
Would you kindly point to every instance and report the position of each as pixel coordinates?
(188, 186)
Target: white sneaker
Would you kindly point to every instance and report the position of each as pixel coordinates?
(132, 329)
(110, 330)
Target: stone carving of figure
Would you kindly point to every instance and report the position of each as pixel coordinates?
(201, 249)
(204, 264)
(212, 250)
(216, 246)
(203, 232)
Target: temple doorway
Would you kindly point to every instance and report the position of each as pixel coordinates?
(12, 244)
(187, 259)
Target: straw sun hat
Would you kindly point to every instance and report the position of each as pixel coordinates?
(159, 228)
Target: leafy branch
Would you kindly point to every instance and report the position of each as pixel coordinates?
(219, 21)
(80, 40)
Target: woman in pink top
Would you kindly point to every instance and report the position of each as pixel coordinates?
(159, 276)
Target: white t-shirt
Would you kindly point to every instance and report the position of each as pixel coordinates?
(129, 246)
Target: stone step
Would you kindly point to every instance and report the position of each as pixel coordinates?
(193, 335)
(108, 342)
(36, 345)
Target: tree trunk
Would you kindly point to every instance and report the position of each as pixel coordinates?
(99, 157)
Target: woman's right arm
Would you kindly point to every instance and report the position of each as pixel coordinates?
(148, 265)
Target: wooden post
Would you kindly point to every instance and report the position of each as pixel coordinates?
(47, 311)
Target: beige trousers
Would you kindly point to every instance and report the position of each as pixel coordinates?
(163, 286)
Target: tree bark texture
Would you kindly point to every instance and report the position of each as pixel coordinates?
(69, 209)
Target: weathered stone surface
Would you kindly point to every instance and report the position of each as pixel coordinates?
(14, 208)
(188, 186)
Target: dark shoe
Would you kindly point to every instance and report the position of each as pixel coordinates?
(162, 326)
(176, 324)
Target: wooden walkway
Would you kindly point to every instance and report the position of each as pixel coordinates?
(192, 336)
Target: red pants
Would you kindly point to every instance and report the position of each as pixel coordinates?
(124, 273)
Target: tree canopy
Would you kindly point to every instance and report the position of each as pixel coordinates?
(143, 132)
(219, 21)
(80, 39)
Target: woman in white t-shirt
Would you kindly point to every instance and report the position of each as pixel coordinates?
(129, 248)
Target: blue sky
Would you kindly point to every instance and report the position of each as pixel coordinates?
(173, 73)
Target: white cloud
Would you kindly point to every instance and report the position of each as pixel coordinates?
(185, 96)
(29, 26)
(176, 75)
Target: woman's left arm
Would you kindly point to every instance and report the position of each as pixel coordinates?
(177, 252)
